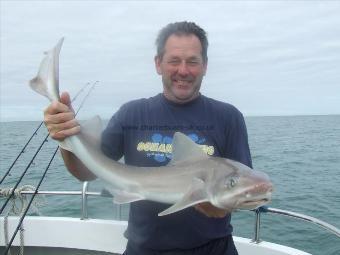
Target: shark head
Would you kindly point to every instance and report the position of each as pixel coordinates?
(225, 183)
(233, 185)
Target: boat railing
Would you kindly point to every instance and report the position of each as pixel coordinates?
(264, 209)
(84, 193)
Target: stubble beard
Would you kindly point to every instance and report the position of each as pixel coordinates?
(169, 90)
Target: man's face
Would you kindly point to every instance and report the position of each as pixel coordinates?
(182, 68)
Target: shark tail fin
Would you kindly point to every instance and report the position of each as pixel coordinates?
(46, 82)
(38, 85)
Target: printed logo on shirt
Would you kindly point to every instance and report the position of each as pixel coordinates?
(160, 147)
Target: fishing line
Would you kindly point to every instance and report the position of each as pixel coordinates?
(42, 178)
(36, 153)
(21, 152)
(29, 203)
(34, 134)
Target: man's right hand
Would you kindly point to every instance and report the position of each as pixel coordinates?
(59, 118)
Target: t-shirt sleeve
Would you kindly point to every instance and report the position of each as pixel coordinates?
(237, 146)
(113, 137)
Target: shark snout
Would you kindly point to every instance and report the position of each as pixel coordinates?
(258, 194)
(263, 187)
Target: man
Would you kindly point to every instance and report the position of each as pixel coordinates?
(142, 131)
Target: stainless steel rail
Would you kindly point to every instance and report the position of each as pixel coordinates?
(85, 193)
(332, 229)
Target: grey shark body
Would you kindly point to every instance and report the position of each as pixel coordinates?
(191, 177)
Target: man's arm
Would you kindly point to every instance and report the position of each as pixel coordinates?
(76, 167)
(59, 118)
(238, 149)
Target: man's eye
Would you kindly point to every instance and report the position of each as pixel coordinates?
(193, 63)
(174, 62)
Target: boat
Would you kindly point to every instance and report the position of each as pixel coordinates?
(69, 235)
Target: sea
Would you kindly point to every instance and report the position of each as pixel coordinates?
(301, 154)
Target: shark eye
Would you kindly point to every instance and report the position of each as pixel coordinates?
(231, 182)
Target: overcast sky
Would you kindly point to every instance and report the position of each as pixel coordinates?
(265, 57)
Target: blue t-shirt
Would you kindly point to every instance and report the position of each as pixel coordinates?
(142, 131)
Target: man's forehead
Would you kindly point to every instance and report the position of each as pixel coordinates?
(183, 44)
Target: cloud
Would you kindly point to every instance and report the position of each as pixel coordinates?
(262, 55)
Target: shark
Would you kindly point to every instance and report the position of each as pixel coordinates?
(191, 177)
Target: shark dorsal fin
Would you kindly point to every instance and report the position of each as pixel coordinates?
(184, 149)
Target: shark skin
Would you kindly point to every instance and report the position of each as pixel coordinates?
(190, 178)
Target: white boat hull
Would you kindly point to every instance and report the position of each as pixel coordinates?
(104, 236)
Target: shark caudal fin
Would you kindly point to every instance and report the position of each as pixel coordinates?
(46, 82)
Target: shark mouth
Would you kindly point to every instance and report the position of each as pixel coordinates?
(257, 196)
(255, 202)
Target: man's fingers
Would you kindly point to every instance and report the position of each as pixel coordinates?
(210, 211)
(59, 118)
(56, 107)
(65, 99)
(62, 134)
(59, 126)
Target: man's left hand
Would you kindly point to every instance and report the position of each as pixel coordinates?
(211, 211)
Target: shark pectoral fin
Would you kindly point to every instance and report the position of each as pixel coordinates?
(123, 197)
(196, 194)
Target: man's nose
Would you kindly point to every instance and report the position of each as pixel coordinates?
(183, 68)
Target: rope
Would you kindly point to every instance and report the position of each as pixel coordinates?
(30, 202)
(16, 209)
(22, 240)
(22, 175)
(12, 191)
(35, 133)
(41, 145)
(6, 233)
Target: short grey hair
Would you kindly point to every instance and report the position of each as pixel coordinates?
(182, 28)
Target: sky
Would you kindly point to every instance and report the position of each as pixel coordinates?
(265, 57)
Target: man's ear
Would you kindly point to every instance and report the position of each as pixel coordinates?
(205, 66)
(158, 64)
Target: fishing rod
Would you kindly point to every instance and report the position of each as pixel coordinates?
(34, 134)
(41, 179)
(29, 203)
(36, 153)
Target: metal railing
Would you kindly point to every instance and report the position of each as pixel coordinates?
(264, 209)
(84, 193)
(84, 213)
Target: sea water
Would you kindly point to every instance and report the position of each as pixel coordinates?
(301, 154)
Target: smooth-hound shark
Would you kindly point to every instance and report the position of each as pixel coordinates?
(190, 178)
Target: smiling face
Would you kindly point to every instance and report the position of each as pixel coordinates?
(182, 68)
